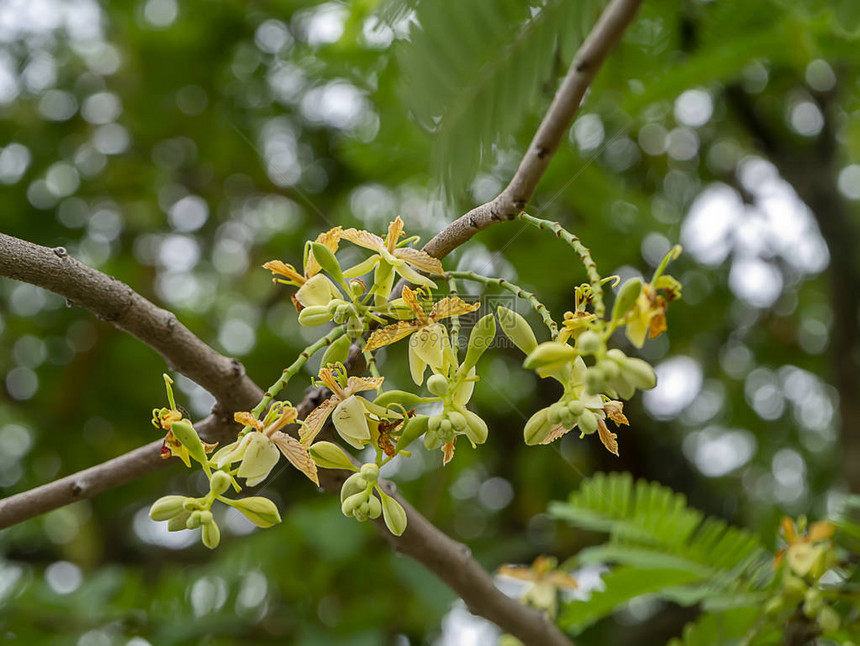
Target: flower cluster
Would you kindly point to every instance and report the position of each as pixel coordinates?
(365, 315)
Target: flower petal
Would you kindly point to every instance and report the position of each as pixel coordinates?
(390, 334)
(413, 276)
(417, 366)
(316, 420)
(350, 420)
(363, 239)
(607, 437)
(330, 239)
(247, 419)
(463, 392)
(449, 306)
(420, 260)
(260, 458)
(448, 451)
(409, 297)
(297, 454)
(319, 290)
(359, 384)
(287, 271)
(395, 230)
(555, 432)
(429, 344)
(361, 268)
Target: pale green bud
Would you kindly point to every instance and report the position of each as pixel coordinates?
(432, 440)
(828, 619)
(353, 502)
(537, 428)
(178, 522)
(195, 519)
(415, 427)
(185, 433)
(517, 329)
(314, 315)
(353, 484)
(357, 287)
(576, 407)
(438, 385)
(259, 510)
(588, 422)
(549, 353)
(626, 298)
(479, 340)
(393, 513)
(206, 517)
(476, 428)
(324, 256)
(555, 412)
(330, 456)
(370, 471)
(341, 313)
(458, 421)
(374, 507)
(595, 380)
(639, 373)
(445, 427)
(568, 419)
(589, 342)
(219, 483)
(407, 399)
(434, 423)
(167, 507)
(211, 535)
(337, 352)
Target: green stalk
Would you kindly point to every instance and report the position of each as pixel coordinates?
(293, 369)
(370, 360)
(455, 320)
(582, 251)
(518, 291)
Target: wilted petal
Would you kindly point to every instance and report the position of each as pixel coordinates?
(420, 260)
(449, 306)
(247, 419)
(448, 451)
(390, 334)
(555, 432)
(297, 454)
(350, 420)
(316, 419)
(410, 298)
(614, 409)
(360, 384)
(607, 437)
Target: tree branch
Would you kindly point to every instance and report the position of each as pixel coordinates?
(516, 195)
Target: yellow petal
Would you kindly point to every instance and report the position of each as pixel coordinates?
(411, 299)
(614, 410)
(448, 451)
(298, 455)
(429, 344)
(463, 392)
(316, 420)
(363, 239)
(561, 580)
(247, 419)
(287, 271)
(318, 291)
(520, 572)
(420, 260)
(390, 334)
(359, 384)
(413, 276)
(449, 306)
(260, 458)
(395, 230)
(607, 437)
(417, 366)
(820, 531)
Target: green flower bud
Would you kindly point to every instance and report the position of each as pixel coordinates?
(314, 315)
(432, 440)
(406, 399)
(370, 471)
(195, 519)
(588, 422)
(393, 513)
(337, 352)
(353, 484)
(639, 373)
(458, 421)
(341, 313)
(479, 340)
(517, 329)
(476, 428)
(185, 433)
(211, 535)
(374, 507)
(622, 387)
(206, 517)
(178, 522)
(324, 256)
(445, 428)
(434, 423)
(549, 353)
(589, 342)
(568, 419)
(595, 381)
(357, 287)
(626, 298)
(330, 456)
(219, 483)
(537, 428)
(438, 385)
(415, 427)
(167, 507)
(774, 605)
(259, 510)
(610, 369)
(576, 407)
(353, 502)
(555, 413)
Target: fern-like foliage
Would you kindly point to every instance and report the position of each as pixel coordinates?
(472, 70)
(660, 546)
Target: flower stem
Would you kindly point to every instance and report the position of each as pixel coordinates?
(370, 360)
(582, 251)
(455, 320)
(518, 291)
(293, 369)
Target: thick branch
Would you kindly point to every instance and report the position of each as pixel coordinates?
(113, 301)
(513, 199)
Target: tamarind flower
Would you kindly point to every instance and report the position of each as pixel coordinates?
(547, 580)
(805, 550)
(314, 288)
(258, 449)
(348, 411)
(429, 343)
(164, 418)
(403, 260)
(647, 318)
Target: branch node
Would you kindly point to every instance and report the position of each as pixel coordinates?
(60, 252)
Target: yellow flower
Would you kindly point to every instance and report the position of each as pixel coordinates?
(163, 418)
(313, 290)
(258, 449)
(804, 551)
(547, 580)
(648, 316)
(574, 324)
(429, 343)
(347, 410)
(403, 260)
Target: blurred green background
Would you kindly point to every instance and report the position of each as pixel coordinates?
(178, 145)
